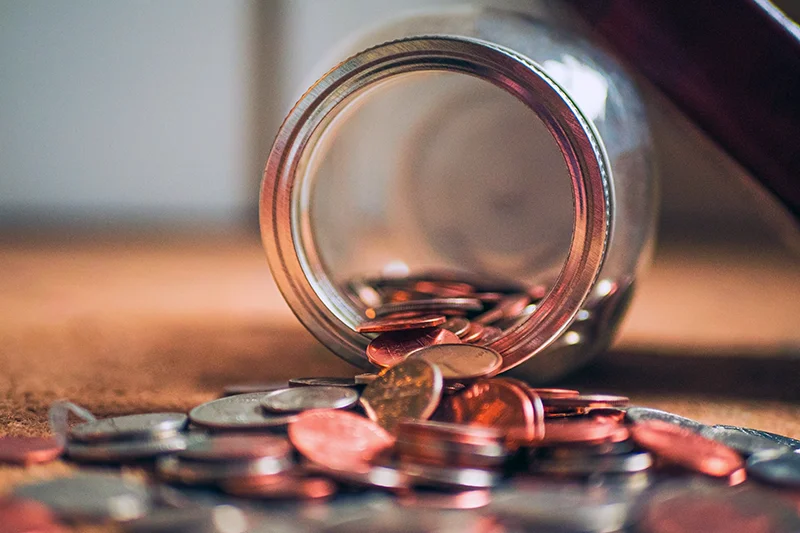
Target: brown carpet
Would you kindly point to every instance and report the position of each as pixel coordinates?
(126, 323)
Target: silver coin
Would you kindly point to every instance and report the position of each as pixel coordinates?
(90, 497)
(777, 468)
(240, 412)
(780, 439)
(124, 451)
(372, 476)
(641, 414)
(323, 382)
(127, 427)
(296, 399)
(744, 443)
(174, 469)
(249, 388)
(598, 464)
(450, 477)
(431, 304)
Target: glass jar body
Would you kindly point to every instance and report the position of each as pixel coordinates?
(431, 169)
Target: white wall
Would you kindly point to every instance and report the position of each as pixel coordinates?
(122, 107)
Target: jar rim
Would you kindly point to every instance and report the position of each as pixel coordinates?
(298, 272)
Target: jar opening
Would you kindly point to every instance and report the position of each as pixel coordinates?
(525, 197)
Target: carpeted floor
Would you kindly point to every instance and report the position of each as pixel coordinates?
(132, 323)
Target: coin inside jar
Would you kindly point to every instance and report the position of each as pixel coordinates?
(381, 325)
(388, 349)
(461, 362)
(432, 305)
(296, 399)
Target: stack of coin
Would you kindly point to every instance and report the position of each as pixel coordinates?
(228, 460)
(127, 438)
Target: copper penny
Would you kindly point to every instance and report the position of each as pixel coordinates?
(583, 431)
(411, 389)
(390, 348)
(443, 289)
(280, 488)
(473, 333)
(29, 450)
(380, 325)
(584, 401)
(338, 439)
(538, 407)
(431, 305)
(680, 446)
(510, 306)
(450, 432)
(556, 393)
(499, 404)
(461, 362)
(457, 325)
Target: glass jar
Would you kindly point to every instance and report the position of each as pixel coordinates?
(472, 141)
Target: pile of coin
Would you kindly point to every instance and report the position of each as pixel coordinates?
(413, 312)
(433, 428)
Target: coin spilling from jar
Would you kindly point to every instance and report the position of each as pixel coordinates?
(434, 428)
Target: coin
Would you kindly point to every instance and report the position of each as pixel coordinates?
(443, 289)
(338, 439)
(411, 389)
(90, 497)
(583, 431)
(381, 477)
(495, 403)
(365, 379)
(457, 325)
(445, 444)
(129, 426)
(640, 414)
(249, 388)
(388, 349)
(29, 450)
(583, 401)
(432, 305)
(125, 451)
(683, 447)
(236, 448)
(297, 399)
(461, 362)
(744, 443)
(594, 464)
(508, 307)
(466, 499)
(322, 382)
(239, 412)
(776, 467)
(399, 324)
(490, 334)
(780, 439)
(555, 393)
(176, 470)
(474, 332)
(280, 488)
(451, 477)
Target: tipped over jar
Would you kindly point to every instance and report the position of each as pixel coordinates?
(472, 154)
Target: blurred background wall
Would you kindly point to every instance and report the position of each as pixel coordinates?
(118, 112)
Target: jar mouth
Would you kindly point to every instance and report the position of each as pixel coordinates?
(286, 229)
